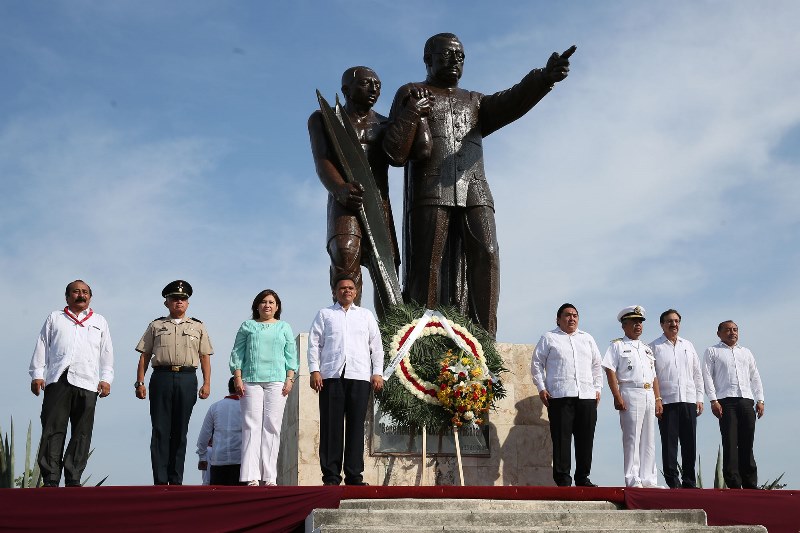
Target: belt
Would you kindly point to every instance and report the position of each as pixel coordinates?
(645, 386)
(174, 368)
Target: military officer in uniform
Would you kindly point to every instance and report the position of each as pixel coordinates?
(631, 373)
(176, 345)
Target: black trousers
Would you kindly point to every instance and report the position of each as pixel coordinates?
(224, 475)
(570, 417)
(342, 412)
(172, 397)
(679, 424)
(64, 402)
(738, 429)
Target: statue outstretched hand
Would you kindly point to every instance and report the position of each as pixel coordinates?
(557, 68)
(350, 195)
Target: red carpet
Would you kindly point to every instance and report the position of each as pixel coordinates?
(777, 510)
(283, 509)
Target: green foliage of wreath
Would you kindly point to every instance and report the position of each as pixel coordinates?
(426, 353)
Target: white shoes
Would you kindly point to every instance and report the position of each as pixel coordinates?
(253, 483)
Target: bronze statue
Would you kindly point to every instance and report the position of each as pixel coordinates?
(450, 242)
(358, 233)
(361, 88)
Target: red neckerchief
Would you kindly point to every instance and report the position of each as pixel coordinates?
(75, 319)
(233, 396)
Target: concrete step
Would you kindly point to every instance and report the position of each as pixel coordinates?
(411, 515)
(476, 505)
(410, 519)
(554, 529)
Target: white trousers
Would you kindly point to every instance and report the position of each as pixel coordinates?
(262, 415)
(638, 424)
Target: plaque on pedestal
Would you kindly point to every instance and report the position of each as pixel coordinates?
(389, 437)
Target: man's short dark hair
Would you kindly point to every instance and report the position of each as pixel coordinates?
(719, 328)
(431, 40)
(565, 306)
(231, 386)
(663, 316)
(66, 292)
(341, 277)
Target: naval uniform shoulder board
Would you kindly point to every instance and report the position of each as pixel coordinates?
(616, 340)
(159, 318)
(195, 319)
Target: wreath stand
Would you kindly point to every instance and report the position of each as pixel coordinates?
(458, 456)
(424, 463)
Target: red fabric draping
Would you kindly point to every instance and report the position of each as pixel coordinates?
(777, 510)
(167, 508)
(284, 509)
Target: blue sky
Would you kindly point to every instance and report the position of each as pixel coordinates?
(143, 141)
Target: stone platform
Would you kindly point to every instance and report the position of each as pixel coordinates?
(520, 451)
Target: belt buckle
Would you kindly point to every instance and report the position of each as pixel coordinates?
(646, 386)
(175, 368)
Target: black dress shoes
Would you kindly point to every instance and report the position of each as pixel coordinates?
(585, 483)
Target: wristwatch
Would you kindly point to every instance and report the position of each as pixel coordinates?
(138, 384)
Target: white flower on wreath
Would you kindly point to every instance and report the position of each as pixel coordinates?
(459, 367)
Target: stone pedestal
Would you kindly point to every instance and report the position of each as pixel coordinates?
(519, 435)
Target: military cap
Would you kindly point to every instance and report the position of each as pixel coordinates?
(177, 288)
(632, 311)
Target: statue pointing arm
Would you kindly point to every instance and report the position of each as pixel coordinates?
(557, 68)
(503, 108)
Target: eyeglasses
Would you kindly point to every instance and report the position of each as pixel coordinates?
(450, 54)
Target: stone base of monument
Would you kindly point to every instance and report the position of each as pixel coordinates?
(516, 449)
(422, 516)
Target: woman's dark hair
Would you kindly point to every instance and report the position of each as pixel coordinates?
(260, 296)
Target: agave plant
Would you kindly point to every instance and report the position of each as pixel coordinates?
(31, 477)
(7, 460)
(719, 479)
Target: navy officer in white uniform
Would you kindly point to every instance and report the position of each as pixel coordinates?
(630, 369)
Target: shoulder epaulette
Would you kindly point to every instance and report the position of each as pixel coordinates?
(160, 318)
(616, 340)
(195, 319)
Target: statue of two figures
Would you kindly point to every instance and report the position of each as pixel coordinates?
(435, 130)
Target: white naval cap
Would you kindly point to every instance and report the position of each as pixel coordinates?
(632, 311)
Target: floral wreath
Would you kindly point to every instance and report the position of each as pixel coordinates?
(424, 377)
(422, 389)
